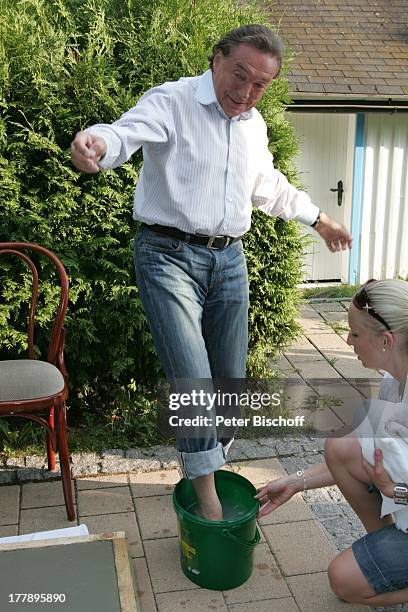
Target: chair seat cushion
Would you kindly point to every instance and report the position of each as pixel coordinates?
(25, 379)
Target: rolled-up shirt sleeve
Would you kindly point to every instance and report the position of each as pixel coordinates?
(148, 122)
(275, 196)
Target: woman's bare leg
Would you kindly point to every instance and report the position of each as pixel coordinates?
(343, 457)
(349, 583)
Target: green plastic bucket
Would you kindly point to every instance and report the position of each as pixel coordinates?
(218, 554)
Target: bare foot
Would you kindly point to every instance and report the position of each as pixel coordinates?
(208, 504)
(210, 512)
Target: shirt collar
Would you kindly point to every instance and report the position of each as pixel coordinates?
(205, 94)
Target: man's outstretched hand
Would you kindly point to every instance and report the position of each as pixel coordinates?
(336, 236)
(86, 151)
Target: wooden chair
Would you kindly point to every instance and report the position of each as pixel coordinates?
(37, 390)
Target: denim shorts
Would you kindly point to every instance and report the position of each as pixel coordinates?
(383, 558)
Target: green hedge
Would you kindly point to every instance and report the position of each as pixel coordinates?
(64, 65)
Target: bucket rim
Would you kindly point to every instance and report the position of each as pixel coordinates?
(224, 523)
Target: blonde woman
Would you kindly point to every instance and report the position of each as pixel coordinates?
(374, 570)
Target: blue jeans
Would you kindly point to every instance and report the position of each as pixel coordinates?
(196, 304)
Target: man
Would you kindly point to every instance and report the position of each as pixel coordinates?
(206, 164)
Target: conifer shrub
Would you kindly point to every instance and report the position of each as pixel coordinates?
(64, 65)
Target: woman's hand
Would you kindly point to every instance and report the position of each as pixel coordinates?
(274, 494)
(378, 475)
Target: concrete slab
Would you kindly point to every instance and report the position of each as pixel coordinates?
(293, 511)
(301, 349)
(44, 519)
(297, 393)
(346, 399)
(323, 421)
(314, 324)
(259, 471)
(10, 498)
(330, 341)
(284, 368)
(157, 518)
(145, 594)
(41, 494)
(122, 521)
(102, 481)
(337, 317)
(323, 307)
(195, 601)
(313, 594)
(162, 558)
(343, 357)
(288, 604)
(266, 581)
(306, 311)
(299, 547)
(349, 369)
(104, 501)
(314, 368)
(150, 484)
(8, 530)
(341, 389)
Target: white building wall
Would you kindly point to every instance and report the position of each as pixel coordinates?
(384, 223)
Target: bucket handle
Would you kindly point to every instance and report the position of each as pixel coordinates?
(227, 533)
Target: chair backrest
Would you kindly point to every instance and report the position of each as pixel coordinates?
(56, 344)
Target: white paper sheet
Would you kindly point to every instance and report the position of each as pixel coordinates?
(79, 530)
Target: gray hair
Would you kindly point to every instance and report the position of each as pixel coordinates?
(389, 298)
(256, 35)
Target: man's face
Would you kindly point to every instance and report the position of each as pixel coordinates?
(241, 77)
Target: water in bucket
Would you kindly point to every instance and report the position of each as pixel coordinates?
(231, 510)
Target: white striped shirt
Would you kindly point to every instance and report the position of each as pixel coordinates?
(202, 171)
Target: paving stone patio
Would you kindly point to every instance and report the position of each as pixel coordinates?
(131, 491)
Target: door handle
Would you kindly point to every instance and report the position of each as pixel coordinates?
(340, 190)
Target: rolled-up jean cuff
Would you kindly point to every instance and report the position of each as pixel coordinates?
(201, 463)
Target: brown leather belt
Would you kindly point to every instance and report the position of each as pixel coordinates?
(211, 242)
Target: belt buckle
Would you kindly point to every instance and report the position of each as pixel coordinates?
(212, 240)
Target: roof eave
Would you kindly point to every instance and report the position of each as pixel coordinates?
(347, 102)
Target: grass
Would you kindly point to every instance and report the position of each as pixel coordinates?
(94, 437)
(334, 291)
(131, 422)
(339, 327)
